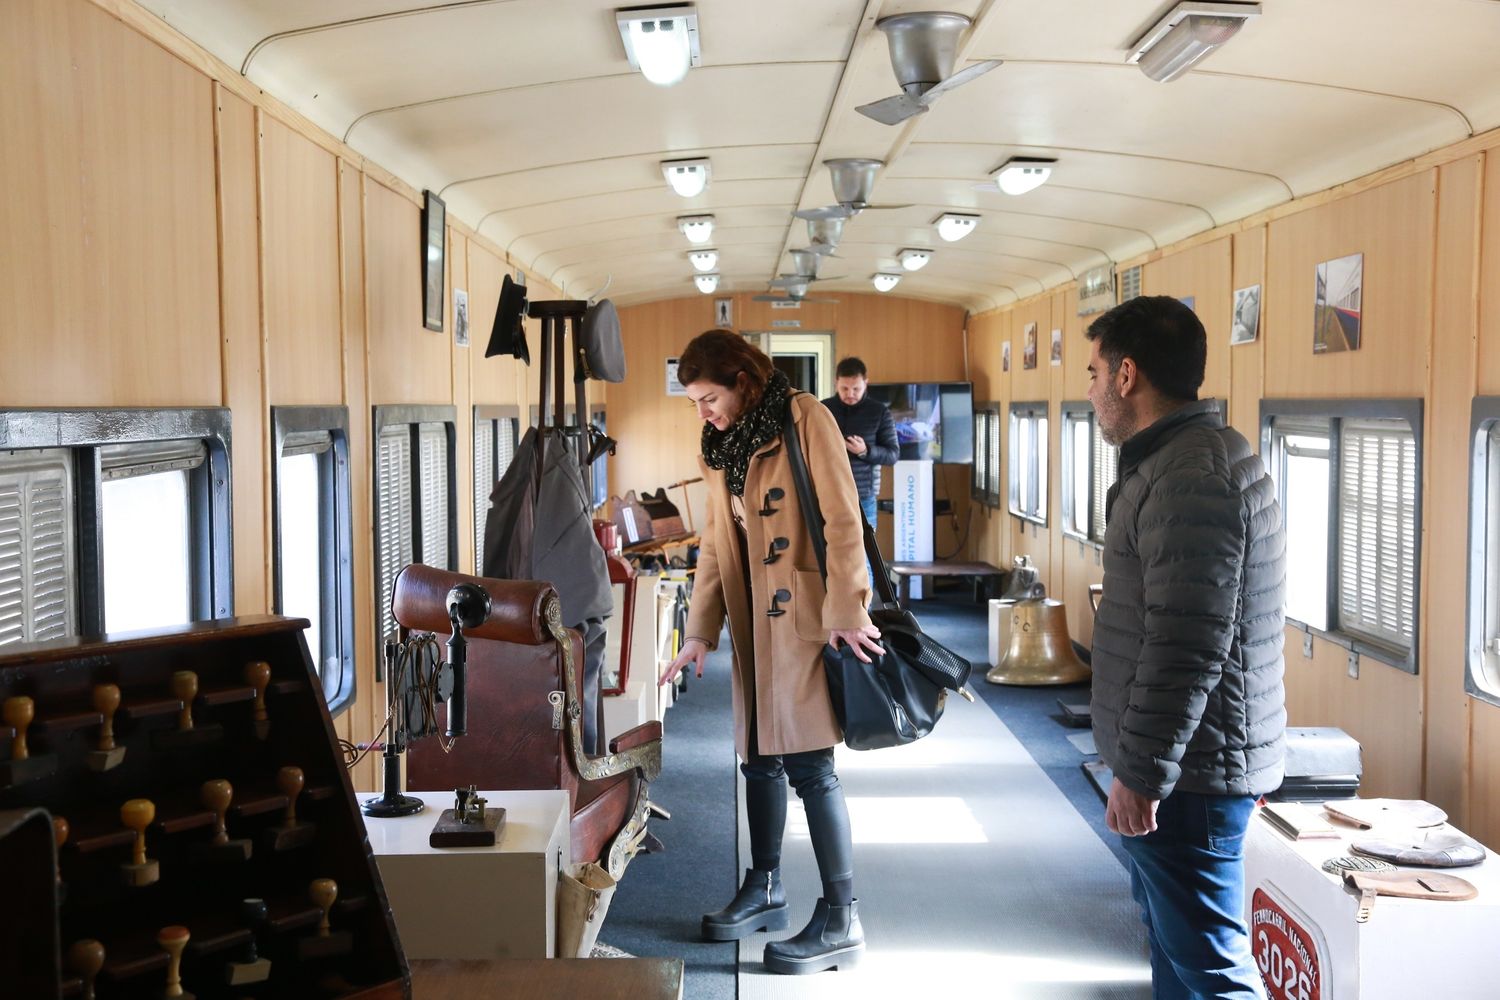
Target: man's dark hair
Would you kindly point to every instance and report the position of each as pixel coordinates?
(1162, 336)
(850, 367)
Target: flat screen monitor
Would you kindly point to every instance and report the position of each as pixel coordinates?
(934, 420)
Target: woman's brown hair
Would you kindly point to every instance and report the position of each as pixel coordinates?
(720, 356)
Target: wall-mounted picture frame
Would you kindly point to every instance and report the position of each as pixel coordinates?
(434, 259)
(461, 317)
(1028, 347)
(1244, 325)
(1005, 356)
(1337, 302)
(1056, 355)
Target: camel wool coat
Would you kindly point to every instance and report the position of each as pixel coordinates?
(780, 656)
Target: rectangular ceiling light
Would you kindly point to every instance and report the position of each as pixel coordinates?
(1188, 32)
(661, 42)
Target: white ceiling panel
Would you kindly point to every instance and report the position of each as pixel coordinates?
(526, 115)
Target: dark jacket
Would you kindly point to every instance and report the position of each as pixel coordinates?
(871, 420)
(1187, 690)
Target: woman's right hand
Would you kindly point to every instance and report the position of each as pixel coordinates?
(693, 651)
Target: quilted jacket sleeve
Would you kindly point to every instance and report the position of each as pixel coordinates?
(1191, 543)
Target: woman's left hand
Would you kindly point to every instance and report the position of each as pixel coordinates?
(859, 640)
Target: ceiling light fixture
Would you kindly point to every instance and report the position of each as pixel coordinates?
(661, 42)
(914, 260)
(954, 227)
(687, 177)
(1020, 174)
(706, 283)
(698, 229)
(704, 260)
(1188, 32)
(884, 282)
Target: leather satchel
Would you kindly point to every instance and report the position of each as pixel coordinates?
(666, 520)
(899, 696)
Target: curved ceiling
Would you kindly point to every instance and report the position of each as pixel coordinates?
(527, 118)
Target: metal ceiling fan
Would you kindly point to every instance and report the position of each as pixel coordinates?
(853, 178)
(923, 49)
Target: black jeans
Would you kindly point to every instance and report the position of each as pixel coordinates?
(811, 773)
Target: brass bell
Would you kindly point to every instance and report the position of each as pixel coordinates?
(1040, 650)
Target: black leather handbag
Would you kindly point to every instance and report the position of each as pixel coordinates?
(897, 697)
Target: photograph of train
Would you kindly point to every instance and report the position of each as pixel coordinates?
(383, 616)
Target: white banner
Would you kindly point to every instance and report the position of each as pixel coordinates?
(913, 497)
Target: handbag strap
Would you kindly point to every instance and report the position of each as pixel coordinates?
(814, 517)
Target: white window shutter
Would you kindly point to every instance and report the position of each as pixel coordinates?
(432, 440)
(393, 510)
(36, 548)
(1377, 530)
(484, 482)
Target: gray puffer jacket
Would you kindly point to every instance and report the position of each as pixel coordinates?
(1187, 690)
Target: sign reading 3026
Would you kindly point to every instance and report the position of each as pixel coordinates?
(1285, 952)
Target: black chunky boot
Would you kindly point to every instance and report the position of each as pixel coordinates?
(759, 905)
(832, 939)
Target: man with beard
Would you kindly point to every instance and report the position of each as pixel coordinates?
(1188, 705)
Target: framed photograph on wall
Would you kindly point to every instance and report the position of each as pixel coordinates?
(1244, 327)
(1028, 347)
(1056, 355)
(1005, 356)
(1336, 304)
(434, 258)
(461, 317)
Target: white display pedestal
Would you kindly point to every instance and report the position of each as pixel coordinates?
(641, 702)
(1309, 947)
(911, 491)
(1000, 611)
(476, 902)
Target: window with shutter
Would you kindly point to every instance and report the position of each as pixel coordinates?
(1077, 469)
(395, 532)
(484, 481)
(432, 443)
(36, 546)
(147, 532)
(1483, 667)
(978, 476)
(1106, 471)
(1028, 461)
(996, 472)
(1377, 530)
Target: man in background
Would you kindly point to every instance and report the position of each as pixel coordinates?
(869, 433)
(1188, 706)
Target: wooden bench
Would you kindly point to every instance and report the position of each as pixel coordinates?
(542, 978)
(980, 572)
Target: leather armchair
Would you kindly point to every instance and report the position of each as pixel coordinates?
(525, 706)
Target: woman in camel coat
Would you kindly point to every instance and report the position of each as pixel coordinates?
(757, 566)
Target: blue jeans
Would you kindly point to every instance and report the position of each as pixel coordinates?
(867, 506)
(1189, 879)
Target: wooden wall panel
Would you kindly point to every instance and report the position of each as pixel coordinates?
(365, 717)
(243, 349)
(1247, 362)
(494, 380)
(1446, 477)
(408, 363)
(463, 400)
(1489, 278)
(109, 227)
(1392, 225)
(1484, 775)
(300, 222)
(1202, 274)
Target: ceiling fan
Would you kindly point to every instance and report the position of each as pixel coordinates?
(853, 178)
(923, 48)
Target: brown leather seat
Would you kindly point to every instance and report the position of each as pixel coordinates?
(524, 683)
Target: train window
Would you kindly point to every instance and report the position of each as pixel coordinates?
(36, 545)
(1348, 476)
(313, 536)
(1028, 461)
(494, 446)
(1090, 467)
(414, 496)
(984, 481)
(1482, 677)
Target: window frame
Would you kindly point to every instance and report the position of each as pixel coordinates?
(1484, 423)
(1335, 412)
(492, 415)
(335, 519)
(989, 415)
(85, 431)
(1042, 472)
(412, 416)
(1071, 410)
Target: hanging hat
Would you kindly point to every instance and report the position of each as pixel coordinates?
(509, 335)
(600, 352)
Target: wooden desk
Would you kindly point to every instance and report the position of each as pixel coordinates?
(906, 570)
(543, 979)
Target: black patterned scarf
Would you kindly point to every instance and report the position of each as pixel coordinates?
(731, 450)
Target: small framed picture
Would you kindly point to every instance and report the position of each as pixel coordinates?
(434, 250)
(1028, 347)
(1005, 356)
(1336, 304)
(461, 317)
(1056, 355)
(1244, 326)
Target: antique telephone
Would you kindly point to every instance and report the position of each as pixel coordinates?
(419, 682)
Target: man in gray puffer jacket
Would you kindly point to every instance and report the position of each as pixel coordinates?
(1188, 705)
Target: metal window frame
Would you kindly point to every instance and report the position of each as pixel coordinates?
(86, 430)
(1030, 409)
(1480, 681)
(335, 520)
(1335, 411)
(412, 415)
(493, 415)
(980, 491)
(1073, 409)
